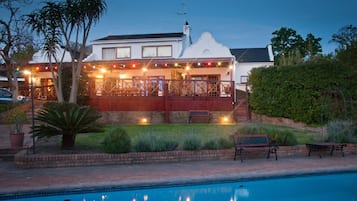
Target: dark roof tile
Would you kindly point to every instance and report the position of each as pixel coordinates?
(251, 54)
(141, 36)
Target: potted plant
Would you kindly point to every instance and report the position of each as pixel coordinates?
(16, 118)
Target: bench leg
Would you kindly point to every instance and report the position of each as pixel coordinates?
(241, 155)
(274, 151)
(332, 149)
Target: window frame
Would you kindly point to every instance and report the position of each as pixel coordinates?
(117, 51)
(156, 51)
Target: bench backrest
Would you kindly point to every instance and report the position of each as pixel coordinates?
(251, 140)
(199, 113)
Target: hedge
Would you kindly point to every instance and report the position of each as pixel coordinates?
(310, 92)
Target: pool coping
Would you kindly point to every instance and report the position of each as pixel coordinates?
(155, 183)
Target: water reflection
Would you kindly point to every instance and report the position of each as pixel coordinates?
(310, 188)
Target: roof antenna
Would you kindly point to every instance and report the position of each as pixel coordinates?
(183, 10)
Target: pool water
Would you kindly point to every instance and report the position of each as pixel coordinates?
(327, 187)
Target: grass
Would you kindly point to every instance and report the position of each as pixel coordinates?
(181, 132)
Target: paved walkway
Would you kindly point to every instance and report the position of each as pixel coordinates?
(15, 180)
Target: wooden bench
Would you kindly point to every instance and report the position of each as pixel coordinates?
(325, 146)
(250, 143)
(199, 116)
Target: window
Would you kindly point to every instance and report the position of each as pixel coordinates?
(164, 51)
(123, 52)
(108, 53)
(149, 52)
(243, 79)
(116, 53)
(157, 51)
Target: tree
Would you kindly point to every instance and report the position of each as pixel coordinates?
(67, 25)
(291, 48)
(45, 23)
(346, 38)
(312, 46)
(15, 40)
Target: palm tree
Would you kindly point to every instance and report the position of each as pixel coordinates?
(67, 24)
(66, 119)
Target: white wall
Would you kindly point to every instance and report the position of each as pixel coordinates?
(243, 69)
(136, 46)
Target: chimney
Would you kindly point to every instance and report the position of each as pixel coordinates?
(186, 41)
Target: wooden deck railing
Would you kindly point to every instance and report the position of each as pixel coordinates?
(156, 87)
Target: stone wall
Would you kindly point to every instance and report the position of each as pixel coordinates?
(156, 117)
(25, 160)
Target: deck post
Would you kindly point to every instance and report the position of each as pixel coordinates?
(166, 105)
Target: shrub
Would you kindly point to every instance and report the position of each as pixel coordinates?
(225, 143)
(220, 143)
(117, 141)
(285, 138)
(153, 144)
(212, 144)
(281, 137)
(192, 144)
(251, 129)
(342, 131)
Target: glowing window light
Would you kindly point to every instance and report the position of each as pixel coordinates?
(103, 70)
(122, 76)
(187, 68)
(219, 63)
(144, 69)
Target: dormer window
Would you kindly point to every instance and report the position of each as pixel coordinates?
(157, 51)
(123, 52)
(116, 53)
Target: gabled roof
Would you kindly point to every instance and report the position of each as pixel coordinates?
(206, 47)
(251, 54)
(141, 36)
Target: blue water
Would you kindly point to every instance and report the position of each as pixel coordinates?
(341, 187)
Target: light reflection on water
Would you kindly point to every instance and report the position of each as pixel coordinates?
(304, 188)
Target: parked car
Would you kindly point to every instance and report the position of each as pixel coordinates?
(6, 96)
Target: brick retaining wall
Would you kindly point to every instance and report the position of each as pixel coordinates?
(25, 160)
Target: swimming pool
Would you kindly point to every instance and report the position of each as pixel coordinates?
(326, 187)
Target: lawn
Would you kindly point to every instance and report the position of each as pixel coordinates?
(203, 132)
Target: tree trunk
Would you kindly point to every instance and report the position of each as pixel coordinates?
(68, 141)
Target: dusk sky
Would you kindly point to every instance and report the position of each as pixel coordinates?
(233, 23)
